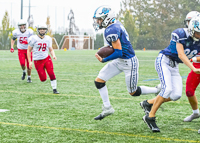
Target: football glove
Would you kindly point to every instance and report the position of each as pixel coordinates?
(12, 50)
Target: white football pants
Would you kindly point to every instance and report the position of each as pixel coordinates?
(128, 66)
(170, 79)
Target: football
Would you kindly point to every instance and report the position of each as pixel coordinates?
(105, 51)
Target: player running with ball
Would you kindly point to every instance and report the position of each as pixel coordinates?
(124, 59)
(41, 44)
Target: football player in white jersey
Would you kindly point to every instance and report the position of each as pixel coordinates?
(41, 44)
(22, 34)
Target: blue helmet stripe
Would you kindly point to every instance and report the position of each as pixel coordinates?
(96, 12)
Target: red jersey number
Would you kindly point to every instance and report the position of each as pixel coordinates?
(42, 46)
(21, 39)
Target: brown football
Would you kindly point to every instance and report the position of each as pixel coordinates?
(105, 51)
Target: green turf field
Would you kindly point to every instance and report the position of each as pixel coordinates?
(36, 115)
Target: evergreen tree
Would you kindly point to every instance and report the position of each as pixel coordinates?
(5, 32)
(154, 20)
(99, 42)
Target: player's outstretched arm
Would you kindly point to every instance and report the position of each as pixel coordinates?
(184, 58)
(52, 53)
(12, 44)
(29, 56)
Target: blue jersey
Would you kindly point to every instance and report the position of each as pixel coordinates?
(181, 35)
(117, 31)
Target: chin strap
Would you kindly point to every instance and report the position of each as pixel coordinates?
(195, 39)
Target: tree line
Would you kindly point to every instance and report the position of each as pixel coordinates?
(6, 32)
(150, 23)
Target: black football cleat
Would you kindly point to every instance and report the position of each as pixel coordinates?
(151, 122)
(29, 80)
(23, 75)
(99, 117)
(55, 91)
(146, 106)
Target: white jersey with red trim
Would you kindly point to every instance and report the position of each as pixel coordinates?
(40, 46)
(22, 38)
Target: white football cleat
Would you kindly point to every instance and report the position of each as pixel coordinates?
(106, 112)
(192, 117)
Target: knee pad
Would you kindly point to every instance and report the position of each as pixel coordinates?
(175, 97)
(138, 92)
(189, 93)
(99, 85)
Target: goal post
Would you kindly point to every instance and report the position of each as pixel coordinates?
(55, 44)
(77, 42)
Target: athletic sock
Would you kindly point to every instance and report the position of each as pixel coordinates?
(148, 90)
(196, 111)
(24, 70)
(104, 95)
(28, 76)
(54, 84)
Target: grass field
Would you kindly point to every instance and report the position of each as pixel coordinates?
(36, 115)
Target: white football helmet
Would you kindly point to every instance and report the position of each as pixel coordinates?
(194, 27)
(20, 23)
(103, 13)
(189, 16)
(39, 27)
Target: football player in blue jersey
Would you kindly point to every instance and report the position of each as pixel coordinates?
(123, 59)
(183, 46)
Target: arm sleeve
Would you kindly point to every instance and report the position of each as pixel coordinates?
(116, 54)
(14, 38)
(14, 35)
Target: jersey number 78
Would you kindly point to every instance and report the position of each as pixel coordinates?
(42, 46)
